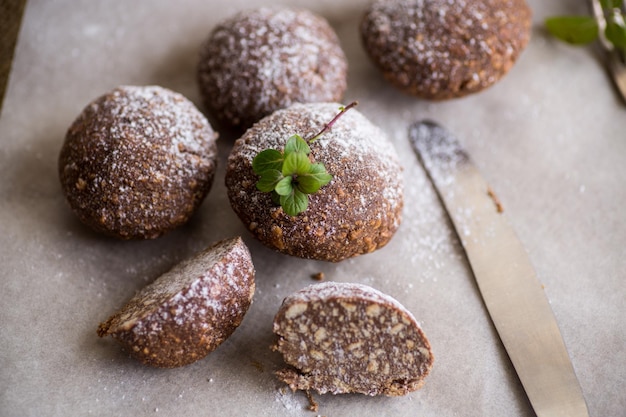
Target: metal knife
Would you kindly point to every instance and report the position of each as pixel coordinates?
(506, 279)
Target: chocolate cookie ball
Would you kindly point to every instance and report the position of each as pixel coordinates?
(137, 162)
(438, 49)
(356, 213)
(266, 59)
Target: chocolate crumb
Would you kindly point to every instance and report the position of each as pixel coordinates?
(496, 200)
(258, 365)
(318, 276)
(313, 406)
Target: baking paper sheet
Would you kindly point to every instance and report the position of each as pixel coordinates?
(549, 137)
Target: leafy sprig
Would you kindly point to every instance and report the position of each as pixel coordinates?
(582, 30)
(289, 174)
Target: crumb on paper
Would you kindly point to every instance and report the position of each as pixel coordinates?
(313, 406)
(258, 365)
(495, 199)
(318, 276)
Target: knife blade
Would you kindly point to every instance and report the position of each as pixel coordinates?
(514, 297)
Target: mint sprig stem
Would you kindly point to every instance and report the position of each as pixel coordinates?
(330, 124)
(289, 175)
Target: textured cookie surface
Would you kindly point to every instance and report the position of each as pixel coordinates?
(439, 49)
(350, 338)
(190, 310)
(356, 213)
(265, 59)
(137, 162)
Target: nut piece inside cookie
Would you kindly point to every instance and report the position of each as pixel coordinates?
(190, 310)
(350, 338)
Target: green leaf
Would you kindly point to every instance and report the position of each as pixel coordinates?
(284, 186)
(296, 163)
(269, 179)
(312, 181)
(308, 184)
(576, 30)
(269, 159)
(294, 203)
(319, 172)
(616, 34)
(297, 144)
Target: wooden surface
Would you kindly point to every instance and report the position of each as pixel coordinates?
(11, 12)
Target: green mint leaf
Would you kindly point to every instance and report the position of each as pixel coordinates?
(269, 159)
(308, 184)
(284, 186)
(616, 34)
(294, 203)
(316, 178)
(319, 172)
(297, 144)
(269, 179)
(296, 163)
(288, 175)
(576, 30)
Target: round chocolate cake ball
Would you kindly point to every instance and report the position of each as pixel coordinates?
(137, 162)
(265, 59)
(357, 212)
(439, 49)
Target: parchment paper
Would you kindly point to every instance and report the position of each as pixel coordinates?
(549, 137)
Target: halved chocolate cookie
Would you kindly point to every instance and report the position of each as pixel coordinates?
(190, 310)
(350, 338)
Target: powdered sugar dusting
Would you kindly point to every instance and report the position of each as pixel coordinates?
(328, 290)
(142, 117)
(439, 151)
(288, 399)
(352, 135)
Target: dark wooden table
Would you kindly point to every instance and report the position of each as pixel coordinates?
(11, 12)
